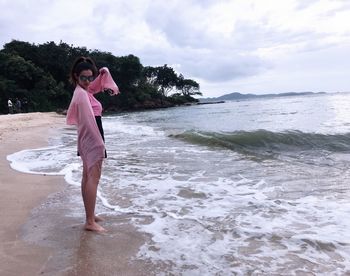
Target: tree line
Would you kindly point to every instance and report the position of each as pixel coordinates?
(38, 74)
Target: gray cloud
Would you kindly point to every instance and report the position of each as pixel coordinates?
(343, 6)
(220, 67)
(304, 4)
(174, 23)
(216, 66)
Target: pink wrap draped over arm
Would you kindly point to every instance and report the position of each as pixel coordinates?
(90, 144)
(103, 81)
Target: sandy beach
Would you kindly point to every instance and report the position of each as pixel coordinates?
(37, 236)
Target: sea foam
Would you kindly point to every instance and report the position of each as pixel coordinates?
(215, 211)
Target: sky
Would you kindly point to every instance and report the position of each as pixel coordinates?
(246, 46)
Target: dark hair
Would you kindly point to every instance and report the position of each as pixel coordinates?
(79, 65)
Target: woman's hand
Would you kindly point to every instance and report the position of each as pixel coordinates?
(103, 70)
(109, 91)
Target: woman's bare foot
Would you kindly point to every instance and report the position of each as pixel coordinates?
(98, 219)
(94, 227)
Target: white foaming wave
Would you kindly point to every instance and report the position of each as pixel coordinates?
(232, 217)
(27, 161)
(328, 222)
(114, 208)
(113, 125)
(55, 161)
(69, 171)
(229, 217)
(230, 225)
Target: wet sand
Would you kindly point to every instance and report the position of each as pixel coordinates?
(38, 235)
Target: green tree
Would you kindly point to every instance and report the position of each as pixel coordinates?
(166, 79)
(22, 79)
(188, 87)
(41, 74)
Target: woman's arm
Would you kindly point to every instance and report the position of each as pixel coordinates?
(103, 82)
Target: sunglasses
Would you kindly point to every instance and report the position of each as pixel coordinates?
(86, 78)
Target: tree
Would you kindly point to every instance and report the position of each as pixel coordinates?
(22, 79)
(166, 79)
(188, 87)
(40, 73)
(163, 78)
(20, 48)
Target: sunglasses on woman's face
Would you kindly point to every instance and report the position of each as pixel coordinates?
(86, 78)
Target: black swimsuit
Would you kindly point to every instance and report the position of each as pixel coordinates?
(100, 128)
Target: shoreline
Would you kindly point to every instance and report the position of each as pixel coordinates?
(41, 236)
(21, 192)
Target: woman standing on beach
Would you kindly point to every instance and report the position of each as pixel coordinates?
(85, 112)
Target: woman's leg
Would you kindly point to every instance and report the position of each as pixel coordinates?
(89, 186)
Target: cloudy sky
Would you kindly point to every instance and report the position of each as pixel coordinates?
(250, 46)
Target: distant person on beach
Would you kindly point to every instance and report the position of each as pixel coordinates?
(10, 106)
(18, 106)
(85, 112)
(25, 105)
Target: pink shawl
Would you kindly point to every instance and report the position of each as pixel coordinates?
(90, 144)
(103, 81)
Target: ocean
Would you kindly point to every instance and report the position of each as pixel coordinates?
(252, 187)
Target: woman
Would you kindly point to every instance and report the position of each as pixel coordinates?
(85, 112)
